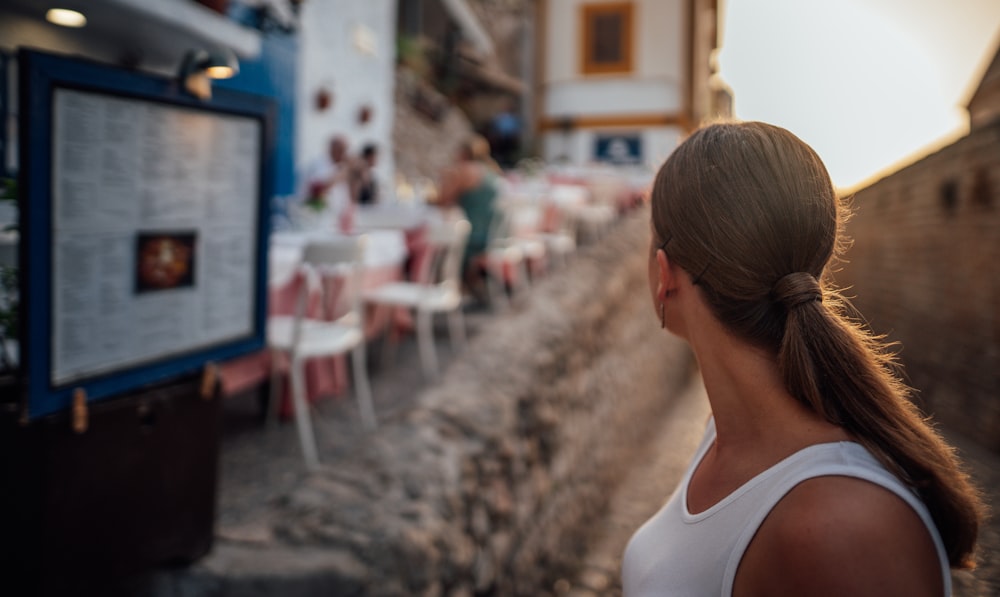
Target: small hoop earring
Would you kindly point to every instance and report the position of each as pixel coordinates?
(663, 321)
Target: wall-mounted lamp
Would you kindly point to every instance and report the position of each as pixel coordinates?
(199, 67)
(65, 17)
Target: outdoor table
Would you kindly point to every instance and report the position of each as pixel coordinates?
(385, 255)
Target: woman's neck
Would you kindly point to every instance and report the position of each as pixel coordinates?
(752, 408)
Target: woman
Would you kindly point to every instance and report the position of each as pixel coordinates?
(471, 184)
(816, 476)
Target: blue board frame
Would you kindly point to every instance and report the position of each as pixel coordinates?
(40, 75)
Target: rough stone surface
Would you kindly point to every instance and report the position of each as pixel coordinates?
(423, 146)
(488, 481)
(650, 480)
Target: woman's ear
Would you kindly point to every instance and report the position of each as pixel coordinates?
(665, 282)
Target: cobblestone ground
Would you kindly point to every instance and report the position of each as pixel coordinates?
(985, 469)
(261, 463)
(646, 488)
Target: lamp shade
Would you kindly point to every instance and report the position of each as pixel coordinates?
(200, 66)
(220, 63)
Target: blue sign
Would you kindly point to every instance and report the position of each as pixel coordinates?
(618, 149)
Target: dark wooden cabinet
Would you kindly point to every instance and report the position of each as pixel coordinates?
(84, 511)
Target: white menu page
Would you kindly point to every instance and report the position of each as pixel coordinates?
(154, 227)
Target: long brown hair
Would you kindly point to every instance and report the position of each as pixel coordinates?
(752, 215)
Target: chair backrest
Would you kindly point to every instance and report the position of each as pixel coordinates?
(447, 240)
(348, 250)
(8, 252)
(500, 224)
(343, 257)
(604, 189)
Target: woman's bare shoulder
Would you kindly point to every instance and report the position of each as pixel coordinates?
(838, 535)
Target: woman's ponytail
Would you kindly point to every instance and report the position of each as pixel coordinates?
(843, 372)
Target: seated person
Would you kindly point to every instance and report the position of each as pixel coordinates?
(472, 185)
(363, 184)
(327, 179)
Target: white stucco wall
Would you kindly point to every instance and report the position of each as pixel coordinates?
(599, 98)
(661, 143)
(349, 47)
(658, 61)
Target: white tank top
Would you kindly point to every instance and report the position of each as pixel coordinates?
(679, 554)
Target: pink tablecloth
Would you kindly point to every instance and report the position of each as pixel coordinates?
(324, 377)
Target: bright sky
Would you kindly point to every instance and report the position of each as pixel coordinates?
(867, 83)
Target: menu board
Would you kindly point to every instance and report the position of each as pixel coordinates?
(144, 213)
(153, 219)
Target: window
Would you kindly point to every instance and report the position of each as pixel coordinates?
(982, 192)
(949, 196)
(607, 38)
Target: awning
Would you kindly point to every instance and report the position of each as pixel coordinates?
(159, 31)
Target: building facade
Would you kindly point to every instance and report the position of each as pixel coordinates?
(621, 81)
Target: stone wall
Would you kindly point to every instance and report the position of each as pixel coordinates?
(492, 483)
(427, 130)
(925, 270)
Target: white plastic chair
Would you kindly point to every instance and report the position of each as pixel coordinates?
(596, 217)
(438, 291)
(506, 253)
(560, 239)
(334, 333)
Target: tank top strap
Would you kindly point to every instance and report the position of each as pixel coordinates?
(847, 459)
